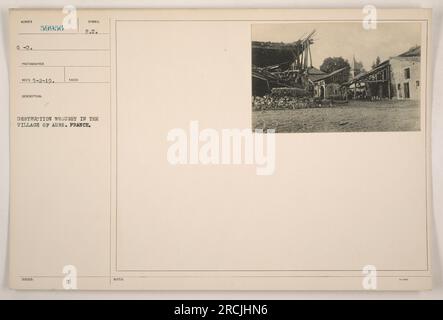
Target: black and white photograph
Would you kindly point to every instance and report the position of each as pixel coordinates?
(336, 77)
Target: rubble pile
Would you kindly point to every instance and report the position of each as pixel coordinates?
(272, 102)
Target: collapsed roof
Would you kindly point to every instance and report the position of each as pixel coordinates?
(284, 55)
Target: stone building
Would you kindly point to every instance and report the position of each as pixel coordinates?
(328, 86)
(396, 78)
(405, 75)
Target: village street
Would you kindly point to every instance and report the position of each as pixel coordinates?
(356, 115)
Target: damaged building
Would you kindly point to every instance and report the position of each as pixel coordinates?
(396, 78)
(285, 69)
(328, 85)
(282, 66)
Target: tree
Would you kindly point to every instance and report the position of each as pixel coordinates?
(331, 64)
(358, 67)
(376, 63)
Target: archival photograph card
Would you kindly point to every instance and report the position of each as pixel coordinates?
(220, 149)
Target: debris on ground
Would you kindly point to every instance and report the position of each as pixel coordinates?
(277, 102)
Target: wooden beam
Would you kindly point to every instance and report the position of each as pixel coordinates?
(389, 82)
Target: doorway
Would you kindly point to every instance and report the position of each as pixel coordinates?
(322, 92)
(406, 90)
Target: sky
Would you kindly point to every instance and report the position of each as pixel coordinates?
(345, 39)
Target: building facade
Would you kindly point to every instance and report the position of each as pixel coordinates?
(396, 78)
(328, 86)
(405, 77)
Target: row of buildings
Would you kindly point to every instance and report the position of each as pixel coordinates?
(396, 78)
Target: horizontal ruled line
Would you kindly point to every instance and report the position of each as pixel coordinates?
(49, 83)
(37, 50)
(64, 34)
(43, 66)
